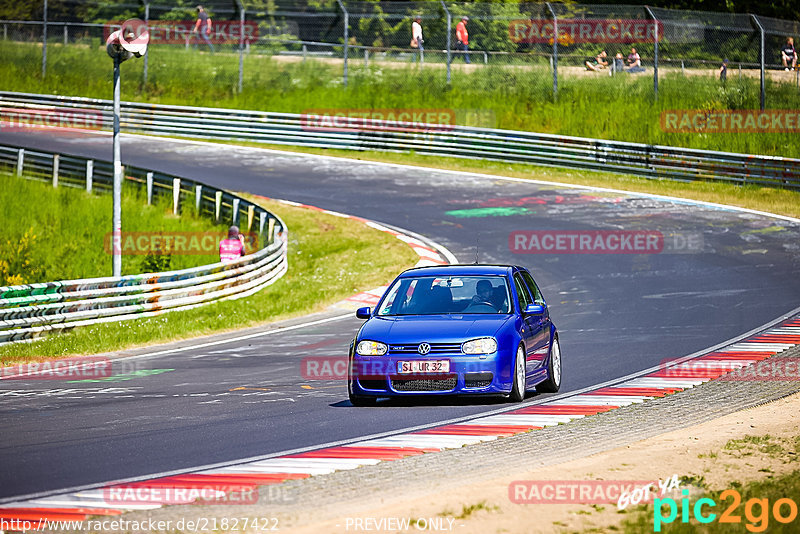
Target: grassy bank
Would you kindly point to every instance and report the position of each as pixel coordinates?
(621, 108)
(326, 264)
(60, 233)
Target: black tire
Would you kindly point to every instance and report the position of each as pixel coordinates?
(553, 382)
(359, 400)
(518, 379)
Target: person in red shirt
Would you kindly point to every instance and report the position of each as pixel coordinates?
(462, 36)
(231, 248)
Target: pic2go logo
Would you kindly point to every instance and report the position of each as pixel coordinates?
(756, 511)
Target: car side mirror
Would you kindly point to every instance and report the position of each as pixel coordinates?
(534, 309)
(364, 313)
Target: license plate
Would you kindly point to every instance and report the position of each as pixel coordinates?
(424, 366)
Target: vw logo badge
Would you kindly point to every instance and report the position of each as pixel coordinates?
(424, 348)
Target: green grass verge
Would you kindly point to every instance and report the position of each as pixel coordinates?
(330, 258)
(58, 233)
(621, 107)
(778, 201)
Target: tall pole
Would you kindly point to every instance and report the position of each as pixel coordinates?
(449, 27)
(761, 59)
(655, 51)
(44, 41)
(555, 50)
(346, 37)
(146, 21)
(117, 189)
(241, 45)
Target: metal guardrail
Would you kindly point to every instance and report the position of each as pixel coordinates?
(651, 161)
(31, 310)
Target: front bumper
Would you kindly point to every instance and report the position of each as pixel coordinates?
(468, 374)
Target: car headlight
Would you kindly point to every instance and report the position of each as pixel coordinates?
(371, 348)
(483, 345)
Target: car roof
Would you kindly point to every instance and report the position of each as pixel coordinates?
(460, 269)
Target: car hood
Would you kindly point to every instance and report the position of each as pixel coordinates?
(432, 328)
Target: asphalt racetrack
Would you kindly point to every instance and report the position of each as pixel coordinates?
(720, 273)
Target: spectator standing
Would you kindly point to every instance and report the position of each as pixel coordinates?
(789, 54)
(634, 62)
(416, 38)
(231, 248)
(462, 36)
(723, 71)
(203, 26)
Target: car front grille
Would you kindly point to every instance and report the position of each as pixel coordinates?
(436, 348)
(444, 383)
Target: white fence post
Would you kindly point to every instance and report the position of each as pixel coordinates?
(149, 188)
(198, 197)
(262, 220)
(176, 194)
(271, 230)
(89, 174)
(56, 160)
(20, 161)
(250, 214)
(217, 205)
(235, 217)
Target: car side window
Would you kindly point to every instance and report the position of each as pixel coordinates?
(523, 294)
(537, 295)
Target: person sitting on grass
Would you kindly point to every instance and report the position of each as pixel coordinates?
(598, 63)
(634, 62)
(789, 54)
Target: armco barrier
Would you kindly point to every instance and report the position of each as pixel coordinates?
(650, 161)
(31, 310)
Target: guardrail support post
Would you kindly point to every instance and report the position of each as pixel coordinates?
(149, 188)
(346, 37)
(235, 217)
(761, 59)
(89, 174)
(176, 194)
(271, 230)
(261, 221)
(449, 30)
(217, 204)
(250, 217)
(198, 197)
(20, 161)
(56, 161)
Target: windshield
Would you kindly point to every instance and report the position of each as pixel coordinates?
(436, 295)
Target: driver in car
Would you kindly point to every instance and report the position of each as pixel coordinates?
(484, 293)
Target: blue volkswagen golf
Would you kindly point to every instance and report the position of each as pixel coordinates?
(456, 329)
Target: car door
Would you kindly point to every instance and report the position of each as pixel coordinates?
(540, 323)
(529, 327)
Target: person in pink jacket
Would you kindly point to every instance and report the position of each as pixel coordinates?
(231, 248)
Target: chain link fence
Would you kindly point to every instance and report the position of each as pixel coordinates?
(255, 42)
